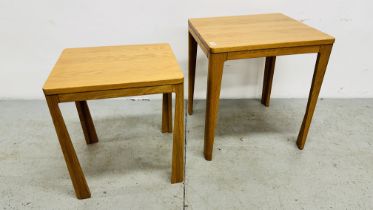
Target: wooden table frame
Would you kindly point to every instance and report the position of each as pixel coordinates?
(77, 177)
(215, 72)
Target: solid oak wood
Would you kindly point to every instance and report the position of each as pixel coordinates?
(167, 113)
(250, 32)
(192, 71)
(86, 121)
(72, 162)
(318, 76)
(269, 70)
(215, 72)
(113, 67)
(253, 36)
(108, 72)
(177, 174)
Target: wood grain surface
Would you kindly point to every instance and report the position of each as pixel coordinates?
(249, 32)
(113, 67)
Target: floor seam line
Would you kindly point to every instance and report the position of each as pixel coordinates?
(185, 152)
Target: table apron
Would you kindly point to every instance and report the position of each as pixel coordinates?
(103, 94)
(272, 52)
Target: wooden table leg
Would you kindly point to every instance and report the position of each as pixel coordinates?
(178, 138)
(86, 122)
(167, 113)
(191, 72)
(267, 80)
(72, 162)
(215, 73)
(318, 76)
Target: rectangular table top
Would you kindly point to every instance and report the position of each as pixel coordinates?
(113, 67)
(255, 32)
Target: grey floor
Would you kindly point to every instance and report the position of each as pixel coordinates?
(256, 164)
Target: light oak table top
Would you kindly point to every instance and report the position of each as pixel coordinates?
(254, 32)
(113, 67)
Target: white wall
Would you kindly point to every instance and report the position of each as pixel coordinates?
(33, 33)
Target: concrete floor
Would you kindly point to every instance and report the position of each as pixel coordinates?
(256, 164)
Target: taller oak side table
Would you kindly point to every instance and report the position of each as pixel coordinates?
(252, 36)
(83, 74)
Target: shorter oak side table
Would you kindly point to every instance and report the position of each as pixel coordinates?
(83, 74)
(252, 36)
